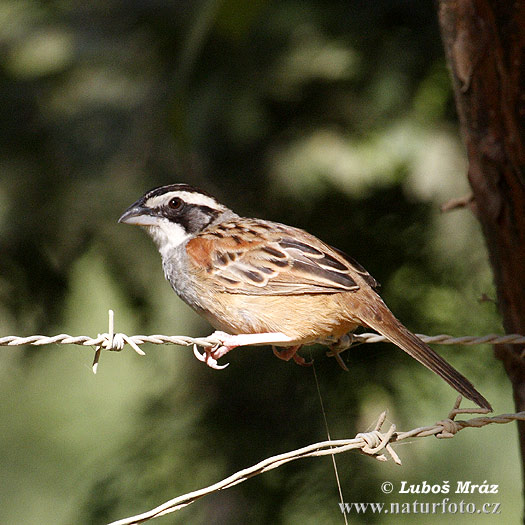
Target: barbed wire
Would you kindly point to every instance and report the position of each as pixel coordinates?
(375, 443)
(112, 341)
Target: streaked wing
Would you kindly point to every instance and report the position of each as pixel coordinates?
(260, 258)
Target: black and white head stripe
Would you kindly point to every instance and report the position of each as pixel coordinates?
(174, 213)
(191, 208)
(182, 188)
(191, 198)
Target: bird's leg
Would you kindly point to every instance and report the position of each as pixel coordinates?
(342, 344)
(291, 353)
(227, 342)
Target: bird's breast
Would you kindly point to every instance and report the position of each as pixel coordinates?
(303, 318)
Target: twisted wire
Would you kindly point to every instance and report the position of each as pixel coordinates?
(120, 339)
(116, 341)
(376, 443)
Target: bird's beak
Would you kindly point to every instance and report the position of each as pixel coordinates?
(139, 215)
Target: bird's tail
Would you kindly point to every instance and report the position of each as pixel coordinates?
(383, 321)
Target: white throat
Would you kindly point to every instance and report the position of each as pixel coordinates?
(167, 236)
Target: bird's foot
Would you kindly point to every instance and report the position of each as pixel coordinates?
(227, 342)
(341, 345)
(208, 357)
(291, 353)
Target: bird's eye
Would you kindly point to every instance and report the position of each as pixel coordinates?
(175, 203)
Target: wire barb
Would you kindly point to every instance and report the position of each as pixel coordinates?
(112, 341)
(373, 444)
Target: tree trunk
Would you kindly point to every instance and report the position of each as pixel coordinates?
(485, 47)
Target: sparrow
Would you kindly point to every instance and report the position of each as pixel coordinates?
(261, 282)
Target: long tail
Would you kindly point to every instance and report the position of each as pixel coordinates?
(381, 319)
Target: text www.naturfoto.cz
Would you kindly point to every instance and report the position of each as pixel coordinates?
(417, 507)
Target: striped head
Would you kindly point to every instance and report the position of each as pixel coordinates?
(174, 214)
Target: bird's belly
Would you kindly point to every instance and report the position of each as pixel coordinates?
(303, 318)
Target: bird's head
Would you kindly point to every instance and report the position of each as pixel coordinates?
(174, 214)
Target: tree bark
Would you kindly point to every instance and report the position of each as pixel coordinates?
(485, 47)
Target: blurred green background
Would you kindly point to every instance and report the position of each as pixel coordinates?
(333, 116)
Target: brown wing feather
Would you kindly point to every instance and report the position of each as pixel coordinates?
(262, 258)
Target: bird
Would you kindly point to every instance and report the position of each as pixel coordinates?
(261, 282)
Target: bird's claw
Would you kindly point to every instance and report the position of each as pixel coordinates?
(300, 360)
(339, 346)
(224, 342)
(208, 356)
(291, 353)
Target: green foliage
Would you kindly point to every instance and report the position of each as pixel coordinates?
(334, 116)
